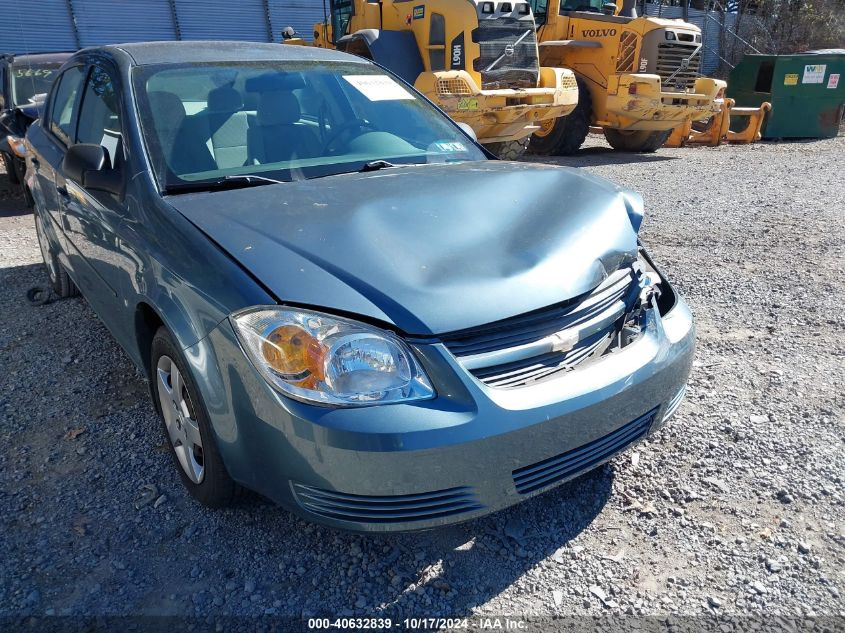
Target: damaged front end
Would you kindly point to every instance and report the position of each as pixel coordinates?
(532, 348)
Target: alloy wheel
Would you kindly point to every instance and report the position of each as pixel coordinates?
(180, 419)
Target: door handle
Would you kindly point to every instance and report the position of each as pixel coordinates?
(62, 191)
(35, 163)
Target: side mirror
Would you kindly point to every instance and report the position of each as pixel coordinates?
(467, 128)
(90, 166)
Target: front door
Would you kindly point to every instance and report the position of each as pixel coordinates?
(94, 219)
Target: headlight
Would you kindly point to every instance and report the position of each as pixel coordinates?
(329, 360)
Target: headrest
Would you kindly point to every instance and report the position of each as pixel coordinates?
(168, 109)
(225, 99)
(274, 81)
(278, 108)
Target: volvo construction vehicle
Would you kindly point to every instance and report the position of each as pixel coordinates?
(638, 77)
(478, 61)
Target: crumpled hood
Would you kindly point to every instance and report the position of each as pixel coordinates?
(430, 249)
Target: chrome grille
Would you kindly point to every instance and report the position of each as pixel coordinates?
(386, 508)
(529, 348)
(671, 58)
(508, 57)
(569, 464)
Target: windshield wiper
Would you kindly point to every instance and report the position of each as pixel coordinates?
(375, 165)
(233, 181)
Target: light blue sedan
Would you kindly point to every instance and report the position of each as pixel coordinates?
(341, 301)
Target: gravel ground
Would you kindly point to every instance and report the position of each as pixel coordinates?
(737, 507)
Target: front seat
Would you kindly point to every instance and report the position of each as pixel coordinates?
(227, 127)
(184, 150)
(277, 135)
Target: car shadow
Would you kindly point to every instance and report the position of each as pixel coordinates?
(597, 156)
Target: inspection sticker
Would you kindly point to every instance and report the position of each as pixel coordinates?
(450, 146)
(814, 74)
(790, 79)
(378, 87)
(833, 81)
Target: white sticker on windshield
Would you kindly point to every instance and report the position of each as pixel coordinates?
(450, 146)
(378, 87)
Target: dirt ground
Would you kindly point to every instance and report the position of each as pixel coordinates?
(737, 507)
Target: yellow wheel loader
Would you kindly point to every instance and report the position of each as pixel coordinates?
(637, 76)
(478, 61)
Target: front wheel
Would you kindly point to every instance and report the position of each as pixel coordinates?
(186, 426)
(636, 140)
(509, 150)
(565, 134)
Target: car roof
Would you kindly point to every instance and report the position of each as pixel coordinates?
(40, 58)
(176, 52)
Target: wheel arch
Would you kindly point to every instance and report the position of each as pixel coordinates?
(147, 323)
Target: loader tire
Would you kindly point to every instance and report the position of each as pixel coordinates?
(567, 133)
(509, 150)
(636, 140)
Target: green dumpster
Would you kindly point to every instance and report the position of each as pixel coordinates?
(806, 90)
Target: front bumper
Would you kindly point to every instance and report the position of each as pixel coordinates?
(501, 115)
(470, 451)
(651, 108)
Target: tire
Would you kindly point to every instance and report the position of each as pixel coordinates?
(61, 283)
(636, 140)
(509, 150)
(9, 166)
(567, 133)
(186, 426)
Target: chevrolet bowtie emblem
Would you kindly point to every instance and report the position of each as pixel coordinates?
(564, 340)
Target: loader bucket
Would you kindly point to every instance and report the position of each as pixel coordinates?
(755, 118)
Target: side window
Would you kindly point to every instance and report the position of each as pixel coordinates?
(342, 12)
(437, 42)
(99, 115)
(540, 9)
(61, 112)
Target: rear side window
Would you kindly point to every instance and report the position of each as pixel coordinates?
(61, 113)
(99, 114)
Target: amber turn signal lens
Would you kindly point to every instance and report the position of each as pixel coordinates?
(293, 352)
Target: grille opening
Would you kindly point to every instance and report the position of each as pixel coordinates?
(681, 62)
(538, 346)
(508, 53)
(571, 463)
(386, 508)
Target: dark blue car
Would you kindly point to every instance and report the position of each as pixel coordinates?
(340, 302)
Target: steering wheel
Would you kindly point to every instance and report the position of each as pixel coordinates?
(354, 124)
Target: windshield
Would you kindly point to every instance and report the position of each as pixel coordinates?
(29, 80)
(583, 5)
(286, 121)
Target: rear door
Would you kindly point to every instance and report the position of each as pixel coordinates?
(50, 140)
